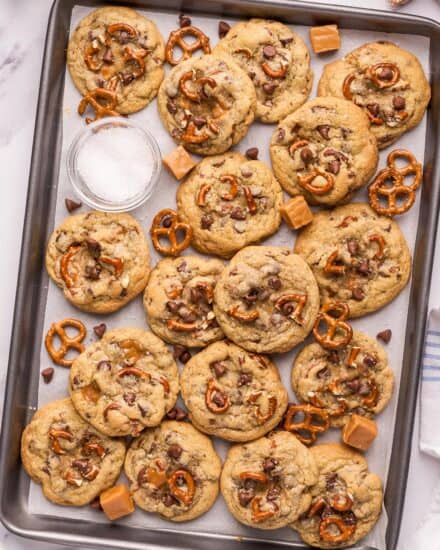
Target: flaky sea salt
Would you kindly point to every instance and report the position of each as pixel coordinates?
(116, 163)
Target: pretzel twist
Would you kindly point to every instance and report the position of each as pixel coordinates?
(315, 421)
(274, 73)
(233, 190)
(190, 135)
(186, 497)
(170, 233)
(372, 71)
(262, 418)
(196, 95)
(299, 299)
(327, 534)
(328, 340)
(210, 403)
(93, 97)
(58, 329)
(297, 145)
(176, 38)
(137, 57)
(306, 182)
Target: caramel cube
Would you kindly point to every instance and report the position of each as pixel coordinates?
(296, 212)
(116, 502)
(179, 162)
(359, 432)
(325, 38)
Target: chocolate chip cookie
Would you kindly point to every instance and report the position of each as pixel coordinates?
(99, 259)
(386, 81)
(173, 471)
(124, 382)
(324, 151)
(230, 202)
(232, 393)
(357, 257)
(178, 300)
(353, 380)
(277, 61)
(207, 104)
(346, 500)
(71, 460)
(266, 483)
(118, 50)
(266, 299)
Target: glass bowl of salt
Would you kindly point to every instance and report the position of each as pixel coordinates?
(113, 164)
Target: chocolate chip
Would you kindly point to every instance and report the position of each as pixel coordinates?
(323, 373)
(244, 497)
(206, 221)
(269, 51)
(269, 87)
(352, 246)
(143, 410)
(176, 414)
(123, 292)
(369, 361)
(285, 41)
(364, 387)
(100, 329)
(96, 504)
(349, 518)
(218, 368)
(167, 221)
(252, 153)
(246, 173)
(129, 398)
(238, 213)
(244, 379)
(171, 107)
(374, 108)
(72, 205)
(127, 78)
(82, 465)
(353, 385)
(399, 102)
(384, 73)
(187, 314)
(223, 28)
(47, 374)
(306, 155)
(199, 121)
(181, 353)
(252, 296)
(357, 293)
(219, 398)
(273, 494)
(330, 482)
(274, 283)
(123, 37)
(108, 56)
(173, 306)
(92, 272)
(169, 500)
(104, 365)
(93, 248)
(364, 267)
(324, 129)
(281, 134)
(333, 357)
(333, 167)
(181, 268)
(269, 464)
(184, 21)
(384, 335)
(174, 451)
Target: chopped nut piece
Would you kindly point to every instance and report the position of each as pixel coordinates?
(179, 162)
(359, 432)
(325, 38)
(296, 212)
(116, 502)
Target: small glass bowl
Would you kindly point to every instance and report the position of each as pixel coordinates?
(80, 185)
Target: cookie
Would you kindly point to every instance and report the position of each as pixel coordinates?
(277, 61)
(266, 483)
(386, 81)
(124, 382)
(173, 471)
(178, 300)
(346, 500)
(71, 460)
(99, 259)
(324, 151)
(232, 393)
(119, 50)
(230, 202)
(207, 104)
(353, 380)
(357, 257)
(266, 300)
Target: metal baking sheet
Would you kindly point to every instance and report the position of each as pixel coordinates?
(47, 182)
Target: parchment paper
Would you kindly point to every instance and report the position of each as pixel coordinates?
(218, 519)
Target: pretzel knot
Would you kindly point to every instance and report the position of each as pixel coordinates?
(284, 304)
(327, 529)
(93, 99)
(384, 75)
(174, 484)
(195, 95)
(58, 329)
(166, 224)
(306, 182)
(315, 421)
(389, 184)
(54, 435)
(339, 333)
(176, 38)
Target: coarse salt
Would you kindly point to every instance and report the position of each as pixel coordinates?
(116, 163)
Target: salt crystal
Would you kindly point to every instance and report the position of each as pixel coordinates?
(116, 163)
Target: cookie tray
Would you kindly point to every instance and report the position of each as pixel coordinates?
(24, 368)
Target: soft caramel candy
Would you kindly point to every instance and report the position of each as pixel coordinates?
(359, 432)
(325, 38)
(296, 212)
(179, 162)
(116, 502)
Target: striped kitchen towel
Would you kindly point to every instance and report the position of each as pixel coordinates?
(430, 391)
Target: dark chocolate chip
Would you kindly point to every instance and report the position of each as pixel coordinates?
(104, 365)
(353, 385)
(238, 213)
(93, 272)
(285, 41)
(184, 21)
(47, 374)
(127, 78)
(223, 28)
(252, 153)
(219, 398)
(93, 248)
(143, 410)
(333, 357)
(206, 221)
(199, 121)
(364, 387)
(100, 329)
(273, 494)
(82, 465)
(364, 267)
(369, 361)
(269, 51)
(274, 283)
(399, 102)
(324, 129)
(333, 167)
(281, 134)
(218, 368)
(72, 205)
(269, 87)
(108, 56)
(352, 246)
(181, 268)
(269, 464)
(384, 335)
(357, 293)
(244, 379)
(176, 414)
(252, 296)
(173, 306)
(330, 482)
(323, 373)
(169, 500)
(385, 73)
(129, 398)
(174, 451)
(244, 497)
(374, 108)
(171, 107)
(306, 155)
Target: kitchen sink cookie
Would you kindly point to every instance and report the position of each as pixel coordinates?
(353, 380)
(230, 202)
(174, 471)
(277, 61)
(71, 460)
(357, 257)
(99, 259)
(324, 151)
(346, 500)
(207, 104)
(266, 299)
(178, 300)
(388, 82)
(266, 483)
(118, 50)
(124, 382)
(232, 393)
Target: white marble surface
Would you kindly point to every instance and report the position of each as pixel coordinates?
(20, 64)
